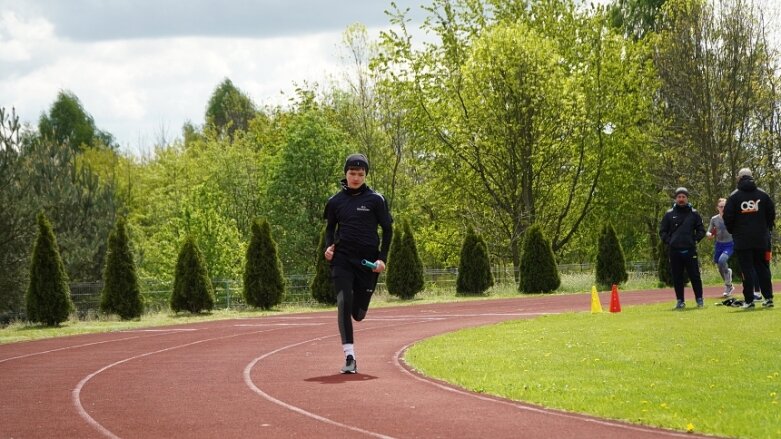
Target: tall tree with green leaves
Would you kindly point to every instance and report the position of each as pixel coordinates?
(405, 269)
(611, 264)
(121, 293)
(229, 110)
(48, 298)
(474, 267)
(322, 287)
(264, 286)
(68, 123)
(539, 273)
(193, 290)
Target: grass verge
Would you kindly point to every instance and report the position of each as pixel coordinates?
(712, 371)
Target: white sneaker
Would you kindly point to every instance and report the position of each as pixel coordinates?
(728, 289)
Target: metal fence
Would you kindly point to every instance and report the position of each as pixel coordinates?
(228, 292)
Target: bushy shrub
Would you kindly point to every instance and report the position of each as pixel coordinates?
(121, 294)
(193, 290)
(48, 298)
(539, 273)
(405, 268)
(264, 286)
(321, 287)
(474, 266)
(611, 264)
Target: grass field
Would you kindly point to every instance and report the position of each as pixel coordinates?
(713, 371)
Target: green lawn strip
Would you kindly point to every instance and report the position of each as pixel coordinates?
(689, 370)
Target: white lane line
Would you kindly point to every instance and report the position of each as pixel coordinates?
(397, 361)
(66, 348)
(252, 325)
(299, 410)
(76, 393)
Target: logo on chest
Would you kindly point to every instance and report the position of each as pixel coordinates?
(363, 209)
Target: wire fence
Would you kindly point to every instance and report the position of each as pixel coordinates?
(156, 293)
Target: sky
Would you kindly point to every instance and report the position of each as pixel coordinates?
(142, 68)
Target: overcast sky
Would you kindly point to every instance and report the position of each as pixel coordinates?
(142, 68)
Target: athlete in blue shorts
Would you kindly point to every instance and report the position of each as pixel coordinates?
(724, 246)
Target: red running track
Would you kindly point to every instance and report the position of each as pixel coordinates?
(278, 377)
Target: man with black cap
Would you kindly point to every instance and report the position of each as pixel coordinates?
(351, 238)
(681, 229)
(749, 215)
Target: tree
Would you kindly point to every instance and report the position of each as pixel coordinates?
(663, 265)
(229, 110)
(48, 298)
(539, 273)
(264, 286)
(193, 290)
(321, 287)
(474, 267)
(611, 265)
(121, 294)
(69, 124)
(405, 269)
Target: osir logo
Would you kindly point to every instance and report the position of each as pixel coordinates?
(749, 206)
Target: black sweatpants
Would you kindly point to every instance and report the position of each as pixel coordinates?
(754, 260)
(682, 259)
(354, 287)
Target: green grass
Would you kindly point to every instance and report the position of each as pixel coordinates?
(648, 365)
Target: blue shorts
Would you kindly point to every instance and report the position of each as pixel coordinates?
(723, 247)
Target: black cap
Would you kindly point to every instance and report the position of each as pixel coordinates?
(356, 161)
(682, 190)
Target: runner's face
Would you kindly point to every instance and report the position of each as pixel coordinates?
(355, 178)
(681, 199)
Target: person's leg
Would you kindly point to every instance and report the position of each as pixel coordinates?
(762, 267)
(343, 285)
(746, 259)
(692, 263)
(363, 287)
(676, 269)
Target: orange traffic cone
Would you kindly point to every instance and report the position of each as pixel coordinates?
(615, 305)
(596, 305)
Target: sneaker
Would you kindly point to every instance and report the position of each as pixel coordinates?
(700, 302)
(767, 303)
(728, 289)
(747, 305)
(680, 305)
(757, 296)
(350, 365)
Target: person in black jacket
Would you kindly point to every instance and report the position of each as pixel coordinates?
(681, 229)
(750, 215)
(351, 237)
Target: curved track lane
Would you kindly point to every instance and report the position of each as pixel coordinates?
(278, 377)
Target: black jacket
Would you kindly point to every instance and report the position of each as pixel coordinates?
(749, 215)
(681, 227)
(352, 218)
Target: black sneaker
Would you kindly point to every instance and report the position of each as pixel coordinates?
(350, 365)
(680, 305)
(700, 302)
(747, 305)
(767, 303)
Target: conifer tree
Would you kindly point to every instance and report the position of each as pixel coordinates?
(121, 294)
(611, 264)
(48, 298)
(193, 290)
(321, 287)
(264, 286)
(474, 266)
(539, 273)
(405, 268)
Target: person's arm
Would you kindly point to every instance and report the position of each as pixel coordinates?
(330, 226)
(711, 227)
(699, 229)
(729, 214)
(385, 220)
(770, 213)
(664, 230)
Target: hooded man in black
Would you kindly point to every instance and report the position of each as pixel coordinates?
(750, 215)
(351, 237)
(681, 229)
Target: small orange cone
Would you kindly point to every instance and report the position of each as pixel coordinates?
(596, 305)
(615, 305)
